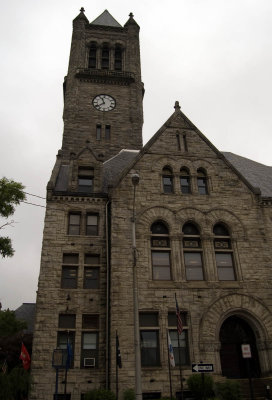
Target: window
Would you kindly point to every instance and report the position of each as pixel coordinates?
(92, 56)
(107, 132)
(105, 61)
(182, 339)
(160, 251)
(74, 224)
(223, 253)
(98, 132)
(167, 180)
(89, 342)
(202, 182)
(149, 334)
(91, 271)
(67, 322)
(192, 252)
(69, 271)
(185, 181)
(118, 58)
(85, 179)
(92, 224)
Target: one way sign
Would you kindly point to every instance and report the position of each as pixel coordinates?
(202, 367)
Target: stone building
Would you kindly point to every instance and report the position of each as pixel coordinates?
(203, 233)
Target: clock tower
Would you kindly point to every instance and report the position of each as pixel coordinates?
(103, 91)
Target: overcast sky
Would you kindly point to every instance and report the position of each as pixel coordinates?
(213, 56)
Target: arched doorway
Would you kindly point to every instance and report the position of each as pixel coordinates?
(233, 333)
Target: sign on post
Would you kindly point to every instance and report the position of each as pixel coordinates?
(202, 367)
(246, 351)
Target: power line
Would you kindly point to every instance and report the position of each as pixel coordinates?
(32, 204)
(30, 194)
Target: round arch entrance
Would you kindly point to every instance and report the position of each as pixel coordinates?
(234, 332)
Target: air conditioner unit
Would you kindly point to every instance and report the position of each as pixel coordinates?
(89, 362)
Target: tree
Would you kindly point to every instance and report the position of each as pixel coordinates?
(11, 194)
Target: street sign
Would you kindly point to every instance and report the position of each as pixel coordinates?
(202, 367)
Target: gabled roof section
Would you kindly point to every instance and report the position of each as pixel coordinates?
(113, 168)
(259, 175)
(179, 120)
(106, 19)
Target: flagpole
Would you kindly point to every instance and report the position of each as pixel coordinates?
(179, 350)
(169, 369)
(116, 364)
(66, 366)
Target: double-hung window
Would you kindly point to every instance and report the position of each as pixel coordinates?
(89, 341)
(149, 334)
(223, 253)
(69, 271)
(74, 223)
(160, 251)
(202, 181)
(66, 333)
(179, 342)
(185, 185)
(192, 252)
(92, 224)
(91, 271)
(167, 180)
(85, 179)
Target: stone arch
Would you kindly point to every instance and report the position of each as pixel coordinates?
(249, 308)
(191, 214)
(235, 225)
(205, 165)
(159, 163)
(148, 216)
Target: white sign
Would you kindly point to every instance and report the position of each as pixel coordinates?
(202, 367)
(246, 351)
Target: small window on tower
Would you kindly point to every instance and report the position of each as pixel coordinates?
(92, 56)
(107, 132)
(85, 179)
(98, 132)
(118, 58)
(105, 61)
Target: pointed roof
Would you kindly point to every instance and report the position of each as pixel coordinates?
(106, 19)
(81, 15)
(172, 122)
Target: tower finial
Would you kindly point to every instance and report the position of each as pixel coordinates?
(131, 15)
(82, 10)
(177, 106)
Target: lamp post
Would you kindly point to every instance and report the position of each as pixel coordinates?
(138, 379)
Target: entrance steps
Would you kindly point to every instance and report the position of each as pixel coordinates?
(259, 388)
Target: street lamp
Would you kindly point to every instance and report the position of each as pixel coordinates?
(138, 379)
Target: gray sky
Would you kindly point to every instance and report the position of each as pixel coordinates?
(214, 56)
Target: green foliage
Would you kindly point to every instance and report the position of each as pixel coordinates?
(198, 387)
(99, 394)
(14, 385)
(9, 325)
(11, 194)
(228, 390)
(6, 249)
(129, 394)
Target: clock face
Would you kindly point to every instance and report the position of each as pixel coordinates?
(104, 102)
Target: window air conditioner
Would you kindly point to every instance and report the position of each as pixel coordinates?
(89, 362)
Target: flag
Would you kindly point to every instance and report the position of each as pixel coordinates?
(4, 367)
(25, 357)
(171, 352)
(179, 321)
(118, 353)
(69, 355)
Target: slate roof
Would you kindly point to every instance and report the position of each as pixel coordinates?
(106, 19)
(113, 168)
(26, 312)
(259, 175)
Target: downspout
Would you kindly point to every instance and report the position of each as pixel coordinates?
(108, 259)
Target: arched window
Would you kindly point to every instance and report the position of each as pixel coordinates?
(167, 180)
(192, 252)
(118, 58)
(223, 253)
(92, 56)
(160, 251)
(185, 185)
(202, 181)
(105, 56)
